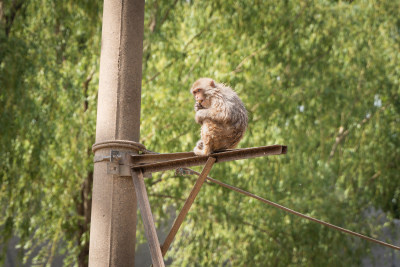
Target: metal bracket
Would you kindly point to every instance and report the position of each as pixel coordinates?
(118, 163)
(113, 165)
(114, 156)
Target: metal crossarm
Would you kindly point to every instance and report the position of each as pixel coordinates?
(162, 162)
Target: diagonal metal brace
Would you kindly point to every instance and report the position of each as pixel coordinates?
(185, 209)
(147, 217)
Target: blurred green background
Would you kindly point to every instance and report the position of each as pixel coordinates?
(322, 77)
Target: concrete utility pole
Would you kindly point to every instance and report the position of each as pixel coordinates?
(113, 224)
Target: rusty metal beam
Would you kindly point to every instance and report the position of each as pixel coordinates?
(163, 162)
(152, 158)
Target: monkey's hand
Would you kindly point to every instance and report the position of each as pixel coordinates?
(198, 106)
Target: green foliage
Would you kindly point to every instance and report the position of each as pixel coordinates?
(48, 107)
(319, 76)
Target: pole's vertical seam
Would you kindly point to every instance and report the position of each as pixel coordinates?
(117, 114)
(112, 222)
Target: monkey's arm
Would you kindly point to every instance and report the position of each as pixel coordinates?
(201, 114)
(213, 114)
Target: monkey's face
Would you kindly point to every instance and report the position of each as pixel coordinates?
(199, 91)
(201, 97)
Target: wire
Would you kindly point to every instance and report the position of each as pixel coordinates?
(241, 191)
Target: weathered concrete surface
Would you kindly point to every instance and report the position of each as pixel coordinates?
(113, 225)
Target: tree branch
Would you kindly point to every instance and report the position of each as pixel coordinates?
(174, 60)
(85, 90)
(16, 6)
(167, 13)
(343, 133)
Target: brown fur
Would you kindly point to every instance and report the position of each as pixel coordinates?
(222, 116)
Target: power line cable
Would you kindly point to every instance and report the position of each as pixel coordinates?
(241, 191)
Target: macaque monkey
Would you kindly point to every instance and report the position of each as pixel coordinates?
(222, 116)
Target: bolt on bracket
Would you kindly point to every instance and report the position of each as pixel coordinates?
(113, 165)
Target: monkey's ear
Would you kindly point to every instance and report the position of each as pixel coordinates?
(212, 83)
